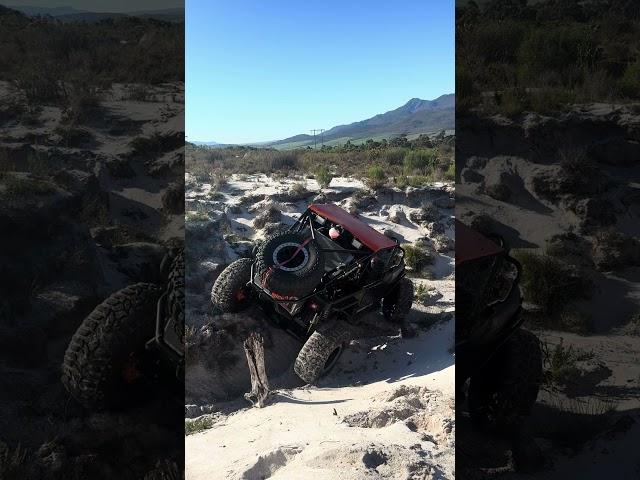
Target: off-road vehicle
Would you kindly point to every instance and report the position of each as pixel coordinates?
(130, 341)
(316, 279)
(501, 362)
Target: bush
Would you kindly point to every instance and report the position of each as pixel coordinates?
(394, 156)
(155, 145)
(550, 283)
(450, 173)
(416, 258)
(422, 160)
(323, 176)
(562, 361)
(197, 425)
(376, 176)
(630, 82)
(19, 186)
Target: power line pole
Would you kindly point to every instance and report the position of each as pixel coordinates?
(314, 132)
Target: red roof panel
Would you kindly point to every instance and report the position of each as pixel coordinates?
(472, 245)
(364, 233)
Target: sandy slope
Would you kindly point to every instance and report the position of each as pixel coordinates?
(385, 411)
(302, 433)
(514, 162)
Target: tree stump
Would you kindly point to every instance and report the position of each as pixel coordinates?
(254, 349)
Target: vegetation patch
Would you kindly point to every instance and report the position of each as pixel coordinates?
(549, 282)
(197, 425)
(416, 258)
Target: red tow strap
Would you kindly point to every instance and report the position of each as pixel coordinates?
(273, 268)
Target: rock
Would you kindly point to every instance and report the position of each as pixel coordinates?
(210, 270)
(613, 250)
(233, 209)
(350, 205)
(52, 456)
(271, 215)
(427, 213)
(445, 202)
(242, 248)
(120, 167)
(272, 228)
(65, 304)
(442, 243)
(365, 200)
(388, 232)
(320, 198)
(594, 213)
(397, 215)
(84, 186)
(139, 261)
(106, 236)
(435, 228)
(173, 198)
(470, 176)
(572, 248)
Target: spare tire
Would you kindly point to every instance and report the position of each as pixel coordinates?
(290, 264)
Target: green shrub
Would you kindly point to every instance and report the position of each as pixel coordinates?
(156, 144)
(562, 368)
(550, 283)
(416, 258)
(376, 176)
(450, 173)
(19, 186)
(630, 82)
(394, 156)
(422, 160)
(196, 217)
(323, 176)
(197, 425)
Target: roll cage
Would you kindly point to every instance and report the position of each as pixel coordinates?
(349, 304)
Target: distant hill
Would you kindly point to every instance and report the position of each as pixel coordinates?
(52, 11)
(414, 117)
(208, 144)
(70, 14)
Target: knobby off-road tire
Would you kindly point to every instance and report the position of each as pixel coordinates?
(99, 367)
(175, 294)
(506, 388)
(321, 351)
(397, 305)
(229, 292)
(300, 274)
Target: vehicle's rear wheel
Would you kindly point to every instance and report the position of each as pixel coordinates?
(101, 366)
(290, 264)
(230, 293)
(505, 389)
(397, 304)
(321, 351)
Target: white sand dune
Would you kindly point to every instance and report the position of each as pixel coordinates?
(398, 423)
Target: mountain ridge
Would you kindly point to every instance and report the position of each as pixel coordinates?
(414, 117)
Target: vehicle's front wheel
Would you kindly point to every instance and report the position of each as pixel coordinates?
(505, 389)
(230, 293)
(321, 351)
(101, 366)
(396, 305)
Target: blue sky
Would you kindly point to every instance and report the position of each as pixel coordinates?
(265, 70)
